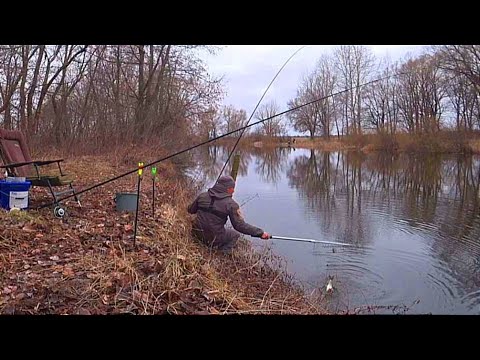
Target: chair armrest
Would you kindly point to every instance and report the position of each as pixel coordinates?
(38, 163)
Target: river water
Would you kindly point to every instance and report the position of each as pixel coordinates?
(414, 221)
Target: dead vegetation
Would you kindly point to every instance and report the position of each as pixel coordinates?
(438, 142)
(87, 264)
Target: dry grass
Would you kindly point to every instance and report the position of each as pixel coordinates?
(87, 264)
(474, 146)
(332, 144)
(436, 142)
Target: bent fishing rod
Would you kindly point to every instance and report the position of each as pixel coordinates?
(253, 112)
(287, 238)
(214, 139)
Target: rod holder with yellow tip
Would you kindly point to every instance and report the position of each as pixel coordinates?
(236, 165)
(140, 168)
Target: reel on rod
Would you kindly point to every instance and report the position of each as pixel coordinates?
(60, 212)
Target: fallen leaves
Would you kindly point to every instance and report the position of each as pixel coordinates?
(9, 289)
(28, 228)
(83, 311)
(68, 271)
(139, 296)
(57, 268)
(86, 264)
(213, 311)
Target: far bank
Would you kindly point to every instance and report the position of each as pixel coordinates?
(438, 142)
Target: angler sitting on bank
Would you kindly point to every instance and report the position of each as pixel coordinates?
(213, 207)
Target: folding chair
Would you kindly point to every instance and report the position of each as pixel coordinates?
(18, 162)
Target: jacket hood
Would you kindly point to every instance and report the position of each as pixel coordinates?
(219, 190)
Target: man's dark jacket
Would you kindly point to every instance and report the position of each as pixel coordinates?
(212, 208)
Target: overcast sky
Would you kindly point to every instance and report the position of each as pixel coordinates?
(248, 69)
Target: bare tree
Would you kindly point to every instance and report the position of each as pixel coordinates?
(381, 101)
(306, 118)
(10, 76)
(461, 64)
(104, 94)
(465, 102)
(421, 94)
(273, 127)
(461, 60)
(233, 119)
(209, 124)
(354, 65)
(324, 85)
(319, 116)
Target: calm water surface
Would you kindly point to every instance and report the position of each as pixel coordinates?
(415, 221)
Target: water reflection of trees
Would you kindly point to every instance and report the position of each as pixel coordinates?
(210, 161)
(208, 164)
(435, 194)
(320, 178)
(441, 197)
(270, 164)
(425, 188)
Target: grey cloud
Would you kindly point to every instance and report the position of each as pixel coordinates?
(248, 70)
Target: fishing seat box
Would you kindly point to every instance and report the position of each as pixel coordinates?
(14, 194)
